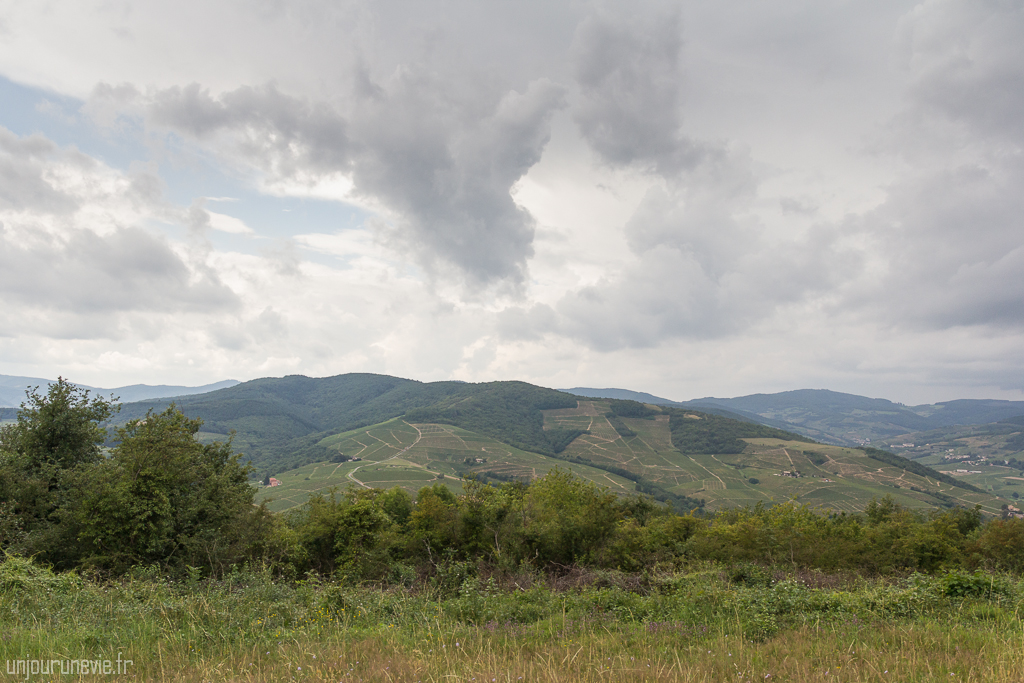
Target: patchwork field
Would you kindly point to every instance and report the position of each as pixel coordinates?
(991, 454)
(396, 453)
(844, 479)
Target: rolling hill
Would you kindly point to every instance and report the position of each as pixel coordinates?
(835, 417)
(281, 423)
(308, 433)
(739, 468)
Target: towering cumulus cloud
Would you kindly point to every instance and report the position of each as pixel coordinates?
(441, 166)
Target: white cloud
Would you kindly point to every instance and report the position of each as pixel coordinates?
(705, 198)
(226, 223)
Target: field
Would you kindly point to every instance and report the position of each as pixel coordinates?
(981, 450)
(836, 477)
(396, 453)
(692, 624)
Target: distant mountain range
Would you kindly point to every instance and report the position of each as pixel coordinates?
(835, 417)
(303, 406)
(12, 390)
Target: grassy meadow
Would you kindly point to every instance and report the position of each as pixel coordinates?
(698, 623)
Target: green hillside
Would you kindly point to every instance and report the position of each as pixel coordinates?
(414, 455)
(307, 433)
(843, 478)
(281, 423)
(829, 416)
(684, 458)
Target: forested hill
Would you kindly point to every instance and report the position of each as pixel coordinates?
(377, 430)
(280, 422)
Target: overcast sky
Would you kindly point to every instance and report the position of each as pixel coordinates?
(690, 199)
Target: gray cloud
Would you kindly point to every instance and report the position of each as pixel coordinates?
(953, 246)
(966, 61)
(449, 171)
(22, 186)
(943, 250)
(267, 126)
(127, 270)
(949, 238)
(442, 160)
(703, 268)
(65, 245)
(629, 74)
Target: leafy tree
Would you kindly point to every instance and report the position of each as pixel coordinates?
(60, 430)
(695, 432)
(56, 433)
(434, 524)
(627, 408)
(567, 520)
(1001, 544)
(164, 497)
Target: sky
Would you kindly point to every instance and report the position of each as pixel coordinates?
(685, 198)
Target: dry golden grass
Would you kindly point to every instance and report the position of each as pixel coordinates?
(920, 651)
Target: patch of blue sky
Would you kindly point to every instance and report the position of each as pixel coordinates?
(27, 111)
(273, 219)
(188, 175)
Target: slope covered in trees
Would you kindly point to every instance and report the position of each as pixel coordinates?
(281, 422)
(696, 432)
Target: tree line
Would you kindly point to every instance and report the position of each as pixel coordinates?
(153, 495)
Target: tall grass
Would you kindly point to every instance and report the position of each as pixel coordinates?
(703, 625)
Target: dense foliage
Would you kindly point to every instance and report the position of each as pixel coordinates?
(158, 496)
(619, 426)
(507, 411)
(560, 438)
(559, 521)
(695, 432)
(624, 408)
